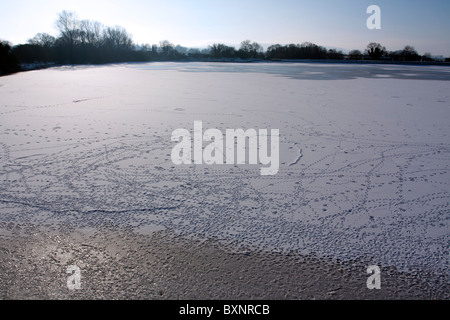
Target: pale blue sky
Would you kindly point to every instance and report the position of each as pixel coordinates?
(197, 23)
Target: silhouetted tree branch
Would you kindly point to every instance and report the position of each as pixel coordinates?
(375, 50)
(85, 41)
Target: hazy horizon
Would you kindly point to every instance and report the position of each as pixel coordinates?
(422, 24)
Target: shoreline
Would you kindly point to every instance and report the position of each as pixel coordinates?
(119, 264)
(44, 66)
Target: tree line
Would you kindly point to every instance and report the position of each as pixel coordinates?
(91, 42)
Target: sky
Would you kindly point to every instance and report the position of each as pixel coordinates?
(424, 24)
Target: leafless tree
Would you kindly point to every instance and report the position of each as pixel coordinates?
(118, 38)
(250, 50)
(42, 39)
(166, 47)
(219, 50)
(68, 25)
(92, 32)
(355, 55)
(375, 50)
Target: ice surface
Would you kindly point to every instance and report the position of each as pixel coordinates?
(364, 155)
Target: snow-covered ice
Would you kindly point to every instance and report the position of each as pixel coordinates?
(364, 155)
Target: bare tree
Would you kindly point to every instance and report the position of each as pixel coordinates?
(246, 46)
(355, 55)
(166, 47)
(409, 50)
(410, 54)
(42, 39)
(118, 38)
(250, 50)
(427, 56)
(375, 50)
(92, 32)
(219, 50)
(68, 26)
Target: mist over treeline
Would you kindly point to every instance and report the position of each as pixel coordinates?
(91, 42)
